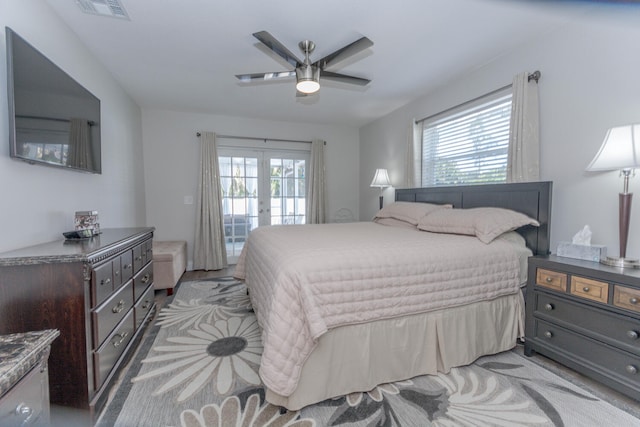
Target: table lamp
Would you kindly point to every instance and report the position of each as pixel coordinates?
(620, 151)
(381, 180)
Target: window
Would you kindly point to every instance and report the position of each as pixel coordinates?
(469, 145)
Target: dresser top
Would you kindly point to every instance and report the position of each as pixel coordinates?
(73, 250)
(19, 353)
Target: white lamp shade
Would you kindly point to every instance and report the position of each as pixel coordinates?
(620, 149)
(308, 79)
(381, 179)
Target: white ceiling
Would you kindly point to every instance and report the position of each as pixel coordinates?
(183, 54)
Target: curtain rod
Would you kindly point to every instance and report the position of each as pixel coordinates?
(533, 76)
(253, 138)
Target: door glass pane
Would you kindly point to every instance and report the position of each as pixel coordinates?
(239, 179)
(287, 191)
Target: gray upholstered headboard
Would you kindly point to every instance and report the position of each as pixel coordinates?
(530, 198)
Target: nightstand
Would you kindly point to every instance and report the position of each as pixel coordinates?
(586, 316)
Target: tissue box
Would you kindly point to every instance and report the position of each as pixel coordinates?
(589, 253)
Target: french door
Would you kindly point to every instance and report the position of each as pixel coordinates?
(260, 187)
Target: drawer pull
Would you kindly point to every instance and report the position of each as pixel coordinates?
(24, 410)
(139, 258)
(548, 306)
(633, 300)
(122, 337)
(118, 308)
(116, 273)
(105, 281)
(127, 266)
(631, 369)
(548, 334)
(146, 278)
(549, 279)
(585, 289)
(146, 304)
(632, 334)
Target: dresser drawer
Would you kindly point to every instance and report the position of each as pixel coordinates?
(116, 267)
(620, 331)
(620, 365)
(627, 298)
(27, 402)
(142, 280)
(112, 348)
(126, 262)
(148, 250)
(138, 260)
(109, 314)
(551, 279)
(101, 283)
(590, 289)
(144, 305)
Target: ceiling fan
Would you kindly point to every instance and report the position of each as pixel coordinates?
(307, 73)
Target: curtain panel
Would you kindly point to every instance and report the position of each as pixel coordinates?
(413, 165)
(523, 162)
(315, 213)
(80, 154)
(209, 249)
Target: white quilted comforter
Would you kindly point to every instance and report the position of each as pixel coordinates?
(304, 280)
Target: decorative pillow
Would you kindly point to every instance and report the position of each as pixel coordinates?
(392, 222)
(408, 211)
(484, 223)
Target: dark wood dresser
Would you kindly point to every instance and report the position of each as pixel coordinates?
(97, 292)
(586, 316)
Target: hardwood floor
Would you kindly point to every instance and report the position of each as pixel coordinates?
(201, 274)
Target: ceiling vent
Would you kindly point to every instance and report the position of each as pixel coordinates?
(111, 8)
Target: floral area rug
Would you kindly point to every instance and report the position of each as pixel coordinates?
(202, 371)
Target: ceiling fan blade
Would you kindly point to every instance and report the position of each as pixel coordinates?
(277, 47)
(347, 51)
(343, 78)
(265, 76)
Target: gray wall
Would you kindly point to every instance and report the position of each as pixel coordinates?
(38, 203)
(589, 83)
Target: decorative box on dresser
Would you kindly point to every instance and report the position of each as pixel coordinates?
(586, 315)
(97, 292)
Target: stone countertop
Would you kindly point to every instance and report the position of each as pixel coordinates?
(20, 352)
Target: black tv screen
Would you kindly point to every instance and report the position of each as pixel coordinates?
(53, 120)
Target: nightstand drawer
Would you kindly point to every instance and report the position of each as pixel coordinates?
(628, 298)
(551, 279)
(593, 290)
(620, 365)
(612, 328)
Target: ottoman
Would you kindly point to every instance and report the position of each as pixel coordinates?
(169, 262)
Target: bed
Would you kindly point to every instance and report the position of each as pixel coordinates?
(345, 307)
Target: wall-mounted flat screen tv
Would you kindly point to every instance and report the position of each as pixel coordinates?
(53, 120)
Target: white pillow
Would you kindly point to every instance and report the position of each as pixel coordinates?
(408, 211)
(484, 223)
(392, 222)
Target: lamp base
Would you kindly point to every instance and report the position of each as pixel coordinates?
(620, 262)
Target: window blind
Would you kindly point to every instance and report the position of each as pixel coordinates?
(468, 146)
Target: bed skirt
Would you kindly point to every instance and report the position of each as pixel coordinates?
(359, 357)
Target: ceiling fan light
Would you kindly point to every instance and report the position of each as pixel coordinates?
(308, 79)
